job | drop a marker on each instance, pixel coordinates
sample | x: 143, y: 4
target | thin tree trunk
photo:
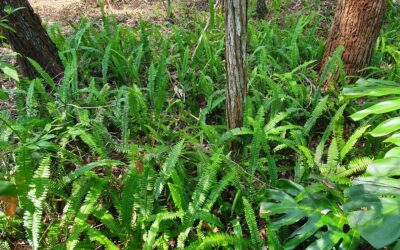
x: 356, y: 26
x: 235, y: 51
x: 30, y: 39
x: 261, y: 9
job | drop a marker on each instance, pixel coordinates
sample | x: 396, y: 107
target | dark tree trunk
x: 30, y: 39
x: 235, y: 51
x: 356, y: 26
x: 261, y: 10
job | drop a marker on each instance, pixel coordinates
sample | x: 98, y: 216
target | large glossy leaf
x: 380, y: 108
x: 385, y: 167
x: 372, y: 87
x: 374, y: 203
x: 11, y: 72
x: 395, y: 139
x: 386, y: 127
x: 394, y: 152
x: 376, y: 218
x: 319, y: 212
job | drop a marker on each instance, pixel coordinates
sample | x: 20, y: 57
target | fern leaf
x: 257, y: 140
x: 96, y: 235
x: 317, y: 112
x: 352, y: 141
x: 273, y: 240
x: 43, y: 73
x: 24, y: 173
x: 104, y: 63
x: 110, y: 223
x: 320, y: 148
x: 80, y: 222
x: 167, y: 168
x: 333, y: 156
x: 216, y: 241
x: 152, y: 233
x: 252, y: 224
x: 128, y: 198
x: 37, y: 195
x: 355, y: 166
x: 219, y: 188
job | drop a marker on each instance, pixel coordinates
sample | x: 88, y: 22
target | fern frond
x: 96, y: 235
x: 108, y: 220
x: 252, y: 224
x: 320, y: 148
x: 317, y: 112
x: 258, y: 137
x: 152, y: 233
x: 95, y: 145
x: 208, y: 217
x: 30, y: 100
x: 145, y: 197
x: 80, y: 222
x: 356, y: 166
x: 104, y: 63
x: 333, y: 156
x: 219, y: 188
x: 43, y: 73
x: 37, y: 195
x: 152, y: 74
x: 273, y: 240
x: 177, y: 195
x: 23, y: 174
x: 218, y: 240
x: 207, y: 180
x: 131, y: 186
x: 353, y: 140
x: 167, y: 168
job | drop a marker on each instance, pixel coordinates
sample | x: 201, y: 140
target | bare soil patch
x: 64, y: 11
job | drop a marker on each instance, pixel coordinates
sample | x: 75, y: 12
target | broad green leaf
x: 386, y: 127
x: 10, y: 72
x: 377, y: 219
x: 375, y: 185
x: 395, y: 139
x: 370, y: 91
x: 385, y: 167
x: 394, y: 152
x: 374, y: 203
x: 283, y: 209
x: 372, y: 87
x: 380, y: 108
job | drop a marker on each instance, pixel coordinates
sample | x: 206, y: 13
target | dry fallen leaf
x: 11, y: 205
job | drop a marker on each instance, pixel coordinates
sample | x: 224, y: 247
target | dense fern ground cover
x: 130, y: 150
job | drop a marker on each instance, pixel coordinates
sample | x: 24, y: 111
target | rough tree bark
x: 356, y: 26
x: 261, y: 9
x: 30, y: 39
x: 235, y: 52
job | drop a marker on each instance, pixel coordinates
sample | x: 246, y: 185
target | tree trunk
x: 235, y: 52
x: 356, y: 26
x: 261, y: 10
x: 30, y: 39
